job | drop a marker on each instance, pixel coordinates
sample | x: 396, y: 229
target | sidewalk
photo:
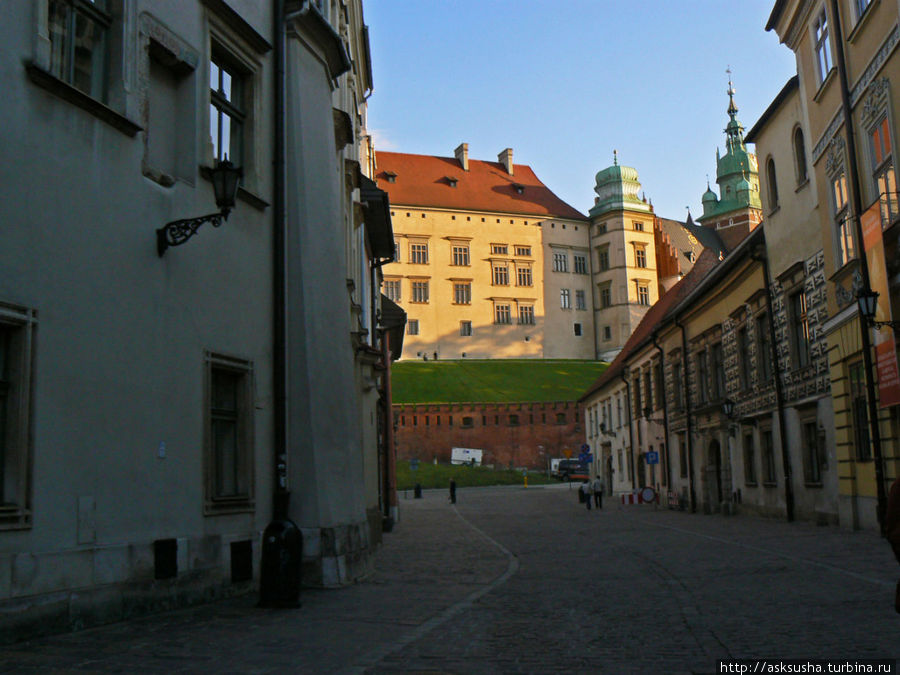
x: 429, y: 565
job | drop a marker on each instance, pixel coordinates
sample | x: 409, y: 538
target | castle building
x: 490, y: 263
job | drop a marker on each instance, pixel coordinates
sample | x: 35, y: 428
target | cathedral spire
x: 735, y: 130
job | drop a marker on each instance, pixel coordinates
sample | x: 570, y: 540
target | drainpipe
x: 624, y: 377
x: 856, y: 200
x: 279, y: 214
x: 662, y: 365
x: 687, y: 417
x: 779, y: 395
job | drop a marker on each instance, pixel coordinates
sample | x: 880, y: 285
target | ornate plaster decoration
x: 875, y: 103
x: 834, y: 161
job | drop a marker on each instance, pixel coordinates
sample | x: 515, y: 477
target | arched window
x: 773, y: 184
x: 800, y: 156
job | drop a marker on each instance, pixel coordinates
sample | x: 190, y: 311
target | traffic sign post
x: 652, y: 457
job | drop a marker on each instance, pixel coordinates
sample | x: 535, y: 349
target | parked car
x: 572, y: 469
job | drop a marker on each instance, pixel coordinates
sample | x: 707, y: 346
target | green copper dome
x: 737, y: 173
x: 617, y: 188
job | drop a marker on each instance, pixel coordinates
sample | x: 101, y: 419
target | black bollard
x: 282, y: 554
x: 417, y: 491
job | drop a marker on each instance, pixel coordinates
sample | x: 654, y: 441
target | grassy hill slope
x: 492, y: 381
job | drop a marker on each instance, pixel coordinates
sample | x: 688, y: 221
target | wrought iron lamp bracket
x: 179, y: 231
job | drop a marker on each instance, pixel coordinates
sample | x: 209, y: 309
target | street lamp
x: 225, y: 179
x: 728, y: 408
x: 867, y: 300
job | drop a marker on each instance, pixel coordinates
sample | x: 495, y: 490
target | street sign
x: 413, y: 464
x: 652, y: 457
x: 585, y: 447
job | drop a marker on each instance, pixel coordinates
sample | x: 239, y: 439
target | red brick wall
x: 426, y: 432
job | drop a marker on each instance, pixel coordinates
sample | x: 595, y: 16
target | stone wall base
x: 338, y: 556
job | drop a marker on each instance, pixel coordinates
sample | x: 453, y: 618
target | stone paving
x: 527, y: 581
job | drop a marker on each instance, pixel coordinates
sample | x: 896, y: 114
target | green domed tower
x: 624, y: 278
x: 737, y: 209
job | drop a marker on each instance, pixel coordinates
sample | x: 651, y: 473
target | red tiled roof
x: 423, y: 180
x: 654, y: 317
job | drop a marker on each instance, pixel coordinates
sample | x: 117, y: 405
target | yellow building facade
x: 848, y: 70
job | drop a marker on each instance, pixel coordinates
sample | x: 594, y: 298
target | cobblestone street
x: 528, y: 581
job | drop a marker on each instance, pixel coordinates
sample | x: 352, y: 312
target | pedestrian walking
x: 452, y: 491
x: 586, y: 490
x: 892, y: 529
x: 598, y: 492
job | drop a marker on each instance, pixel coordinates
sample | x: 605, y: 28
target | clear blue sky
x: 564, y: 82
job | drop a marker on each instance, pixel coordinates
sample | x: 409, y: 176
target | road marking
x: 377, y: 655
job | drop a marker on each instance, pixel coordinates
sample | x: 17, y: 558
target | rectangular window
x: 799, y: 330
x: 580, y: 302
x: 682, y: 455
x: 859, y: 411
x: 640, y: 256
x: 523, y: 275
x: 607, y: 333
x: 560, y: 262
x: 565, y: 298
x: 703, y: 376
x: 526, y: 314
x: 502, y: 313
x: 823, y: 49
x: 418, y: 253
x: 749, y: 460
x: 16, y: 365
x: 500, y: 274
x: 499, y: 249
x: 603, y: 258
x: 580, y: 264
x: 227, y: 109
x: 659, y: 385
x: 812, y: 453
x: 396, y: 248
x: 605, y: 296
x: 643, y: 293
x: 392, y: 289
x: 79, y: 38
x: 412, y: 327
x: 638, y: 226
x: 419, y: 292
x: 229, y: 443
x: 883, y: 172
x: 743, y: 346
x: 677, y: 386
x: 465, y: 328
x: 845, y: 244
x: 768, y: 456
x: 861, y: 6
x: 577, y: 328
x: 461, y: 255
x: 462, y: 293
x: 523, y: 250
x: 763, y: 350
x: 636, y: 392
x: 718, y: 372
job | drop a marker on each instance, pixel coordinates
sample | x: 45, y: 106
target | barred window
x: 560, y: 262
x: 502, y: 313
x: 501, y: 274
x: 580, y: 264
x: 419, y: 291
x: 526, y: 314
x: 460, y: 254
x: 462, y: 293
x: 392, y: 289
x: 418, y: 253
x: 523, y: 275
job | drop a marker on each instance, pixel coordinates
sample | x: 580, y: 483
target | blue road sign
x: 652, y: 457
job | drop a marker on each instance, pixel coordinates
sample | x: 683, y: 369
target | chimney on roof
x: 505, y: 158
x: 462, y: 155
